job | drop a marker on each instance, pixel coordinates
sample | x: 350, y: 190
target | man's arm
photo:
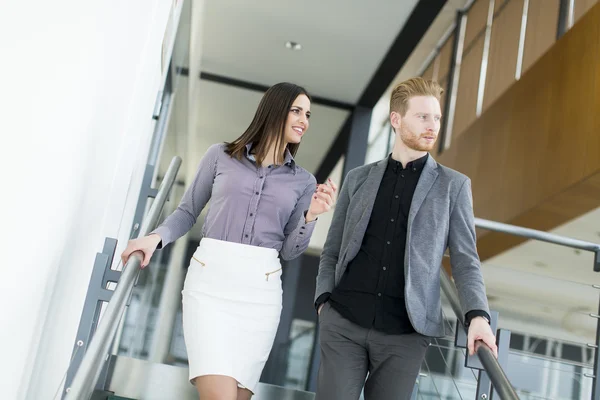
x: 462, y: 243
x: 331, y: 249
x: 466, y: 270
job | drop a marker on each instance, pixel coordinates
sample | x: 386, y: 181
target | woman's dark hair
x: 268, y: 125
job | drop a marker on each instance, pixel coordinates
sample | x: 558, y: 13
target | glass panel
x: 299, y: 349
x: 538, y: 367
x: 443, y: 374
x: 378, y: 147
x: 137, y: 327
x: 542, y: 378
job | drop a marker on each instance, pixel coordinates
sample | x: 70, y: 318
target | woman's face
x: 297, y: 123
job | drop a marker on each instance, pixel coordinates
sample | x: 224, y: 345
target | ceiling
x: 342, y: 42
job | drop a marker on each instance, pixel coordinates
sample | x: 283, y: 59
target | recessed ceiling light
x: 293, y: 45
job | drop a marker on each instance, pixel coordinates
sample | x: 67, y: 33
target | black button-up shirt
x: 371, y: 292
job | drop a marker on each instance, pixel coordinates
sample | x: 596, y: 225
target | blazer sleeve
x: 462, y: 243
x: 333, y: 244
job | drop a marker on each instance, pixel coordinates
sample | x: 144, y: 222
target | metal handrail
x: 91, y: 366
x: 497, y: 375
x: 536, y: 235
x: 491, y: 365
x: 562, y: 241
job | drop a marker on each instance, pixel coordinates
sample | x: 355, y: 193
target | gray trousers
x: 349, y: 352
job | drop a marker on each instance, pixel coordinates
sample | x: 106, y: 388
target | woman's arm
x: 298, y: 230
x: 193, y: 201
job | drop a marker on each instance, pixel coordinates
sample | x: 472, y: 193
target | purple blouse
x: 259, y: 206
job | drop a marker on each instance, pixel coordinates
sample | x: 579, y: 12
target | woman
x: 263, y: 206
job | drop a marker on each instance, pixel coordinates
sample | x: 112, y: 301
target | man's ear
x: 395, y: 119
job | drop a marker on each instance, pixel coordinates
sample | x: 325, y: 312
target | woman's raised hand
x: 323, y: 200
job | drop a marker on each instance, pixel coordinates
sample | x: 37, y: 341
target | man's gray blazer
x: 440, y: 217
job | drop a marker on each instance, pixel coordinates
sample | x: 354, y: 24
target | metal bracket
x: 146, y: 191
x: 96, y: 295
x: 157, y: 105
x: 484, y: 386
x: 461, y: 341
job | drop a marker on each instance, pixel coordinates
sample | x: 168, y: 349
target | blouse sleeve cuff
x: 165, y: 236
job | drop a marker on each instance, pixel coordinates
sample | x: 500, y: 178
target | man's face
x: 419, y: 128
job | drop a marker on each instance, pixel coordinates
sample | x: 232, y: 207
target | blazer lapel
x: 367, y: 194
x: 428, y: 177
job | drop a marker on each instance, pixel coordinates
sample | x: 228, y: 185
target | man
x: 378, y: 286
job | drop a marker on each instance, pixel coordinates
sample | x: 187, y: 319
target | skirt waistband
x: 222, y: 247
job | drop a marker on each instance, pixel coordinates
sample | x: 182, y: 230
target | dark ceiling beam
x: 263, y: 88
x: 407, y: 40
x: 340, y: 142
x: 225, y: 80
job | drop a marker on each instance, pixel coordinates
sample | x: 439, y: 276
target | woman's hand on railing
x: 480, y: 329
x: 147, y: 245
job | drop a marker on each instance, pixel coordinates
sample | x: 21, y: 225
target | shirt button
x: 379, y: 294
x: 384, y: 268
x: 297, y: 246
x: 246, y: 235
x: 257, y: 193
x: 251, y: 214
x: 402, y: 175
x: 396, y: 196
x: 392, y: 220
x: 261, y: 177
x: 389, y: 242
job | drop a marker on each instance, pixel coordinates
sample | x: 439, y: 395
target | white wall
x: 79, y: 80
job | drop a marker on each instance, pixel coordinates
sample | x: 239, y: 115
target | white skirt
x: 231, y: 310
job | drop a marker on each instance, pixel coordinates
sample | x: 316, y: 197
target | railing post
x: 565, y: 17
x: 90, y: 315
x: 146, y: 192
x: 453, y: 80
x: 596, y: 380
x: 484, y: 386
